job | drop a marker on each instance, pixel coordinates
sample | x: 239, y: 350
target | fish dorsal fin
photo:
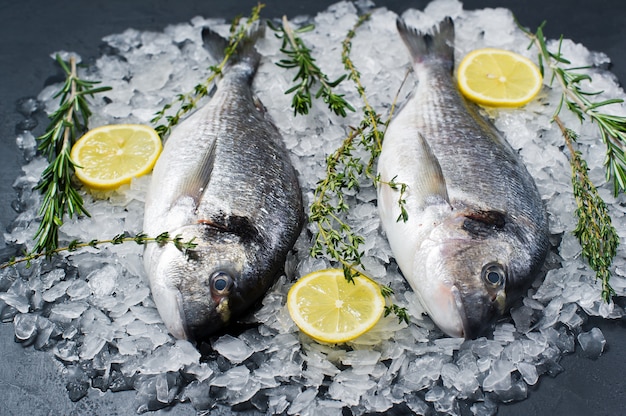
x: 430, y: 183
x: 196, y: 184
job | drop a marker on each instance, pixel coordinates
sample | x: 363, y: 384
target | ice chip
x: 19, y: 302
x: 103, y: 281
x: 302, y: 401
x: 234, y: 349
x: 528, y: 372
x: 499, y: 377
x: 25, y: 327
x: 592, y: 343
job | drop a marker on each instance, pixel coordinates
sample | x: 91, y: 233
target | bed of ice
x: 92, y: 309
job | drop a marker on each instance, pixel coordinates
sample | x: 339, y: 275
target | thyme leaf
x: 344, y: 173
x: 594, y: 230
x: 140, y: 238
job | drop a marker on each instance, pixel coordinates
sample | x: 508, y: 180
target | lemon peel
x: 328, y: 308
x: 498, y: 78
x: 109, y: 156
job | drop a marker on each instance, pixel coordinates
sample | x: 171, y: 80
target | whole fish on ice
x: 477, y: 231
x: 224, y: 179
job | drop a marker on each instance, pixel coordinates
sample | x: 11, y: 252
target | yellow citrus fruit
x: 110, y: 156
x: 498, y: 78
x: 328, y: 308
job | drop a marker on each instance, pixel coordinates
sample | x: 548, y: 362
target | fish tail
x: 423, y: 47
x: 245, y: 54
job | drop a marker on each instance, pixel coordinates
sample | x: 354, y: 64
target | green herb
x: 612, y: 128
x: 189, y: 101
x: 344, y: 171
x: 597, y: 236
x: 308, y: 74
x: 141, y: 239
x: 594, y: 231
x: 67, y: 122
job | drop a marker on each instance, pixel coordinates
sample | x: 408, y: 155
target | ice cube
x: 499, y: 377
x: 25, y: 327
x: 592, y: 343
x: 234, y: 349
x: 528, y: 372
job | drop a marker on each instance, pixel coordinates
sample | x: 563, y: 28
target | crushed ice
x: 93, y: 311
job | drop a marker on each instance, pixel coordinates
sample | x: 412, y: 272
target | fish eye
x: 221, y: 282
x: 493, y: 274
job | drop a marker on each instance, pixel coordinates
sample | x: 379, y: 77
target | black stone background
x: 32, y: 383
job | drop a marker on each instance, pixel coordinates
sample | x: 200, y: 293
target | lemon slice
x: 110, y: 156
x: 328, y: 308
x: 498, y: 78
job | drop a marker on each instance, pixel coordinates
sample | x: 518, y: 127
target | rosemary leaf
x: 70, y: 119
x: 308, y: 74
x: 594, y: 230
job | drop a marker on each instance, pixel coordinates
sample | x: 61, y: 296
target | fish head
x: 473, y: 278
x: 200, y: 291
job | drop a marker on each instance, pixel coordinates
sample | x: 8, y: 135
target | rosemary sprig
x: 67, y: 122
x: 596, y: 234
x: 612, y: 128
x: 334, y: 236
x: 141, y: 239
x: 188, y: 101
x: 308, y: 74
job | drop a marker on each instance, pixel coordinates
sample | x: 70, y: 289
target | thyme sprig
x: 60, y: 196
x: 596, y: 234
x: 188, y: 101
x: 141, y: 239
x: 344, y: 171
x: 612, y: 128
x: 594, y: 230
x: 308, y: 73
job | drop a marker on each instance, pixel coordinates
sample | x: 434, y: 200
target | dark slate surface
x: 32, y: 383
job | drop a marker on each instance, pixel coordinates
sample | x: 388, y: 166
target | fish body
x: 225, y: 180
x: 477, y: 231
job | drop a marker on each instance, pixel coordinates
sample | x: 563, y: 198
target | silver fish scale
x: 476, y: 232
x: 224, y: 179
x: 475, y: 160
x: 252, y: 175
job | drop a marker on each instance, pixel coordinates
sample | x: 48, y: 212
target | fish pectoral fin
x: 482, y: 223
x: 234, y: 224
x: 430, y: 183
x: 196, y: 184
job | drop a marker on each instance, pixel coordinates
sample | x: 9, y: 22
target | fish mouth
x: 475, y: 312
x: 459, y: 316
x: 202, y: 320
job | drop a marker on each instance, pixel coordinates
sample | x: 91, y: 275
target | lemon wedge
x: 498, y: 78
x: 328, y: 308
x: 110, y: 156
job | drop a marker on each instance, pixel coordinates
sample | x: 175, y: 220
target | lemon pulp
x: 499, y: 78
x: 325, y: 306
x: 110, y: 156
